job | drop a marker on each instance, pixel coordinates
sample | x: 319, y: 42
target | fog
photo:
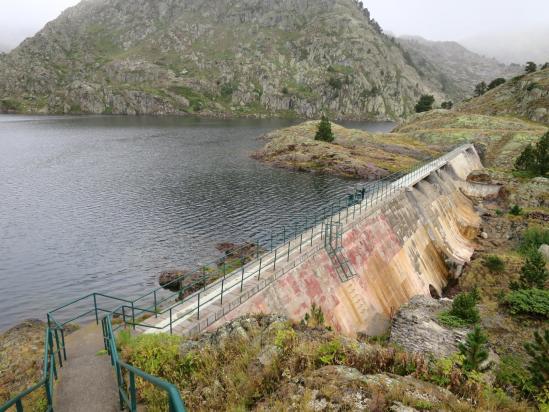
x: 482, y: 25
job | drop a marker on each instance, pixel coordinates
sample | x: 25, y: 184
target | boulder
x: 416, y: 328
x: 544, y: 250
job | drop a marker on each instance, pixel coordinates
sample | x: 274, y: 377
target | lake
x: 105, y: 203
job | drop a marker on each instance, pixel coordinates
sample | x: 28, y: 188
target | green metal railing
x: 270, y: 251
x: 52, y: 347
x: 126, y: 386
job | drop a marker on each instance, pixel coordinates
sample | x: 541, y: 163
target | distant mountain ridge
x: 451, y: 68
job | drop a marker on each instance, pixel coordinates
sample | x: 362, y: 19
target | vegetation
x: 480, y: 89
x: 532, y: 238
x: 539, y: 363
x: 447, y: 105
x: 495, y: 83
x: 531, y: 67
x: 324, y: 131
x: 425, y: 103
x: 474, y: 350
x: 535, y: 159
x: 463, y: 312
x: 533, y: 302
x: 494, y: 263
x: 533, y: 273
x: 515, y: 210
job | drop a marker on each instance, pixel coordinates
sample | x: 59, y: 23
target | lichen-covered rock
x: 544, y: 250
x: 416, y: 328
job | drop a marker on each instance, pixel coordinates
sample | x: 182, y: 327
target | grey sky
x: 432, y: 19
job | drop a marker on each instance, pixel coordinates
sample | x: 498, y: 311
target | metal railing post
x: 133, y: 395
x: 222, y: 285
x: 95, y: 307
x: 155, y: 306
x: 171, y: 327
x: 198, y: 307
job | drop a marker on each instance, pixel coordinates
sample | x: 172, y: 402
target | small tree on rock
x: 535, y: 159
x: 531, y: 67
x: 324, y: 131
x: 527, y: 159
x: 464, y: 307
x: 474, y: 350
x: 425, y: 103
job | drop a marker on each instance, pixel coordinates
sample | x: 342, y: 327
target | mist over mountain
x: 513, y: 46
x: 450, y: 67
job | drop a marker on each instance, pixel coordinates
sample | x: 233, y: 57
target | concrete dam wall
x: 409, y: 245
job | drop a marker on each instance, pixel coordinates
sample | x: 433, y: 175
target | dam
x: 359, y: 262
x: 358, y: 265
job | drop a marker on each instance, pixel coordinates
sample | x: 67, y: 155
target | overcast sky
x: 432, y: 19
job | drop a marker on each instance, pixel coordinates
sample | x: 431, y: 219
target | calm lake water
x: 106, y: 203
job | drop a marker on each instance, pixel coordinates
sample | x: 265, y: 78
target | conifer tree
x: 324, y: 131
x: 539, y: 364
x: 474, y: 350
x: 533, y: 273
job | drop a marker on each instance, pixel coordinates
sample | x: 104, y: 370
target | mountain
x: 525, y: 96
x: 220, y: 57
x: 451, y: 68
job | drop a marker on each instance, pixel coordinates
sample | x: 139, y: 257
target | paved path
x: 87, y: 382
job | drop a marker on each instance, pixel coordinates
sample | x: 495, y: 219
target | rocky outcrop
x: 524, y: 96
x: 417, y: 329
x: 353, y: 153
x: 294, y: 57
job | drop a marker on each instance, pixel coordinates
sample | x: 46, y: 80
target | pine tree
x: 526, y: 160
x: 533, y: 273
x: 464, y: 307
x: 496, y: 82
x: 474, y: 350
x: 480, y: 89
x: 541, y: 154
x: 324, y: 131
x: 539, y: 364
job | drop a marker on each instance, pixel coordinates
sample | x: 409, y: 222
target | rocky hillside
x: 238, y: 57
x: 452, y: 68
x: 524, y: 96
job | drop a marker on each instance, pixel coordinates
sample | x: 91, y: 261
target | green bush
x: 474, y: 350
x: 464, y: 307
x: 515, y: 210
x: 535, y: 159
x: 533, y: 273
x: 425, y: 103
x: 531, y: 67
x: 451, y: 321
x: 511, y: 372
x: 324, y: 131
x: 533, y: 302
x: 335, y: 83
x: 494, y: 264
x: 480, y: 89
x: 533, y: 238
x: 496, y: 82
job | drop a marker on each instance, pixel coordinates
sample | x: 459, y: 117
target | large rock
x: 544, y: 250
x: 416, y: 328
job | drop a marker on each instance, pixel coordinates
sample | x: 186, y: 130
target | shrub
x: 335, y: 83
x: 496, y: 82
x: 539, y: 364
x: 425, y: 103
x: 511, y: 372
x: 474, y: 350
x: 531, y: 67
x: 535, y: 159
x: 533, y: 238
x: 451, y: 321
x: 464, y: 307
x: 494, y: 264
x: 314, y: 318
x: 533, y: 302
x: 331, y: 353
x: 324, y: 131
x: 533, y: 273
x: 516, y: 210
x: 447, y: 105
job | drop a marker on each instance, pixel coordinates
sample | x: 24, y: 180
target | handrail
x: 49, y: 374
x: 127, y: 391
x: 364, y: 196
